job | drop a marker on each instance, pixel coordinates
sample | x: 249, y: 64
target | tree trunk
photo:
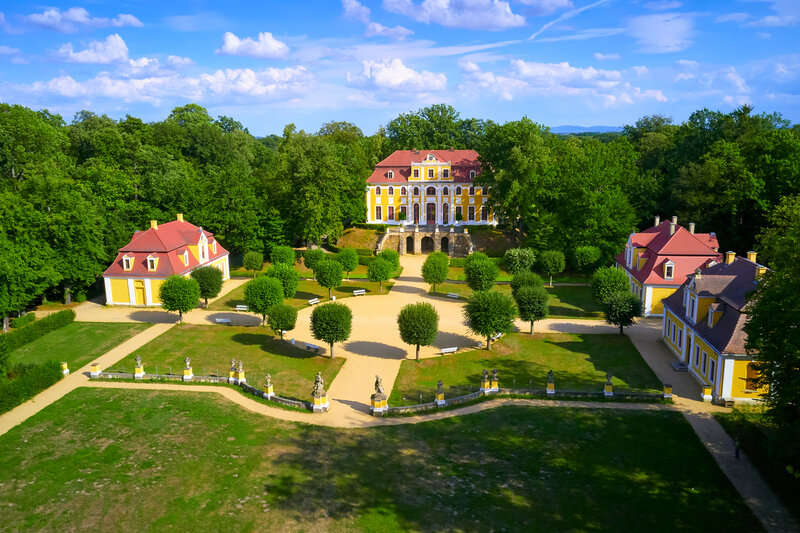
x: 206, y: 303
x: 620, y: 331
x: 333, y: 355
x: 180, y: 316
x: 417, y: 352
x: 489, y: 343
x: 5, y: 324
x: 67, y: 295
x: 531, y: 327
x: 329, y: 293
x: 551, y: 281
x: 380, y: 286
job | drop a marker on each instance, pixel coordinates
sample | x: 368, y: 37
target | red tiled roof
x: 167, y: 244
x: 687, y: 251
x: 461, y: 162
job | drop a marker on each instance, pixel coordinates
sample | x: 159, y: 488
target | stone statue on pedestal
x: 233, y: 365
x: 268, y: 381
x: 188, y: 362
x: 319, y: 386
x: 138, y: 360
x: 241, y: 366
x: 439, y: 387
x: 494, y: 374
x: 485, y: 375
x: 378, y: 385
x: 550, y: 377
x: 609, y: 375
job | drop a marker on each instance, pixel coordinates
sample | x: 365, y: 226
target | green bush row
x: 461, y: 261
x: 23, y: 320
x: 23, y: 382
x: 20, y: 337
x: 376, y: 227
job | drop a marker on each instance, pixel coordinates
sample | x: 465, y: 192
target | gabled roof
x: 461, y: 162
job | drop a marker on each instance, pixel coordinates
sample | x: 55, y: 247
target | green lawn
x: 137, y: 460
x: 579, y: 363
x: 306, y: 290
x: 212, y: 347
x: 77, y: 343
x: 565, y: 302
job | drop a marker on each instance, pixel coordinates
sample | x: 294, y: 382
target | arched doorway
x: 427, y: 245
x: 430, y: 213
x: 446, y: 245
x: 445, y: 214
x: 409, y: 245
x: 416, y: 213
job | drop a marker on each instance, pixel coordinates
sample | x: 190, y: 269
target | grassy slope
x: 136, y: 460
x: 77, y: 343
x: 579, y: 362
x: 212, y: 347
x: 358, y: 238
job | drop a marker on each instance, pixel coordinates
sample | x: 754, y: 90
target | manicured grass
x: 579, y: 363
x: 306, y: 290
x: 212, y: 347
x: 77, y: 343
x: 358, y: 238
x: 144, y: 460
x: 565, y: 302
x: 457, y: 273
x: 760, y: 440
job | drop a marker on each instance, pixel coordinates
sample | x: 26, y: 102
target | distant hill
x: 582, y: 129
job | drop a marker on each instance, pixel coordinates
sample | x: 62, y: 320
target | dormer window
x: 390, y: 174
x: 214, y: 247
x: 445, y: 173
x: 152, y: 263
x: 186, y: 257
x: 431, y: 173
x: 471, y: 174
x: 669, y: 270
x: 127, y: 263
x: 710, y: 318
x: 416, y: 172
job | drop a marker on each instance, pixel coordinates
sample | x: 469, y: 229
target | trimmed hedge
x: 376, y: 227
x: 23, y: 320
x: 363, y: 251
x: 461, y: 261
x: 24, y: 382
x: 20, y: 337
x: 365, y: 259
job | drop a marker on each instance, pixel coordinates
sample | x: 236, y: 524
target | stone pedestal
x: 378, y: 404
x: 494, y: 386
x: 319, y: 404
x: 138, y: 373
x: 94, y: 372
x: 608, y: 391
x: 667, y: 391
x: 440, y: 399
x: 551, y: 388
x: 269, y: 391
x: 706, y: 394
x: 64, y: 368
x: 232, y: 376
x: 188, y: 374
x: 486, y: 386
x: 240, y: 377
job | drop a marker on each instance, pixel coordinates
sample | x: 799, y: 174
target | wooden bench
x: 359, y: 292
x: 449, y: 350
x: 242, y: 308
x: 226, y: 321
x: 453, y: 295
x: 313, y: 301
x: 495, y: 337
x: 313, y: 347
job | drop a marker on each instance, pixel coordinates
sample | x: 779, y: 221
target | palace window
x: 458, y: 212
x: 705, y: 362
x: 390, y: 174
x: 378, y: 212
x: 673, y: 333
x: 186, y: 257
x: 127, y: 263
x: 471, y: 212
x: 484, y: 214
x: 484, y: 191
x: 391, y: 213
x: 471, y: 173
x: 430, y: 191
x: 680, y: 338
x: 431, y: 173
x: 458, y: 191
x: 445, y: 173
x: 690, y: 308
x: 377, y: 191
x: 151, y: 263
x: 402, y: 191
x: 669, y: 270
x: 416, y: 191
x: 214, y: 247
x: 391, y: 191
x: 472, y: 191
x: 445, y: 191
x: 416, y: 172
x: 696, y: 356
x: 712, y: 367
x: 403, y: 211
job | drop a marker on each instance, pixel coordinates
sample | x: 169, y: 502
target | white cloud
x: 468, y: 14
x: 739, y: 84
x: 267, y: 47
x: 7, y: 50
x: 479, y: 81
x: 773, y: 21
x: 640, y: 70
x: 662, y: 33
x: 546, y: 7
x: 205, y: 21
x: 179, y: 62
x: 398, y: 33
x: 580, y: 35
x: 606, y: 57
x: 566, y: 16
x: 71, y: 20
x: 732, y: 17
x: 662, y: 5
x: 684, y: 76
x: 394, y: 75
x: 355, y: 10
x: 562, y: 74
x: 112, y: 50
x: 688, y: 63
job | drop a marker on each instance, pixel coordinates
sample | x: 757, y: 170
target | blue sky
x: 582, y: 62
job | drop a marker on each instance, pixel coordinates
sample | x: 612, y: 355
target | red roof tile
x: 461, y: 162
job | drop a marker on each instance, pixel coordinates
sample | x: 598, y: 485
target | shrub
x: 551, y: 262
x: 518, y: 260
x: 262, y: 293
x: 328, y: 274
x: 481, y: 274
x: 23, y: 320
x: 392, y: 257
x: 462, y: 261
x: 19, y: 337
x: 365, y: 260
x: 282, y: 255
x: 287, y: 275
x: 253, y: 261
x: 418, y: 324
x: 311, y: 257
x: 532, y: 303
x: 435, y: 268
x: 489, y: 313
x: 364, y: 251
x: 348, y: 257
x: 586, y: 259
x: 331, y: 322
x: 26, y: 381
x: 210, y: 281
x: 282, y: 317
x: 607, y: 281
x: 526, y: 278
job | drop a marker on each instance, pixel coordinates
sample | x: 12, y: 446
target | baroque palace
x: 427, y: 187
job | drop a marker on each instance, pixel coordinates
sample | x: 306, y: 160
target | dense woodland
x: 73, y: 193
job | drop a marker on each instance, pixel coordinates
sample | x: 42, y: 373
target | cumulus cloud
x: 7, y: 50
x: 684, y: 76
x: 394, y: 75
x: 112, y: 50
x: 355, y: 10
x: 266, y: 47
x: 606, y: 57
x: 663, y: 32
x: 737, y: 82
x: 468, y: 14
x: 640, y: 70
x: 732, y: 17
x: 75, y: 18
x: 546, y: 7
x: 662, y: 5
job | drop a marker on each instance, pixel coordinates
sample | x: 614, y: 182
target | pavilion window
x: 390, y: 174
x: 378, y: 212
x: 445, y: 173
x: 471, y: 212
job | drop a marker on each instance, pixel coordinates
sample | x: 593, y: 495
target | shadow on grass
x: 155, y: 317
x: 272, y: 345
x: 302, y: 295
x: 237, y: 319
x: 375, y: 349
x: 445, y: 339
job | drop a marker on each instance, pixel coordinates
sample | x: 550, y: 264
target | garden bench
x: 453, y: 295
x: 359, y: 292
x: 313, y: 347
x: 226, y: 321
x: 242, y: 308
x: 313, y: 301
x: 449, y: 350
x: 495, y: 337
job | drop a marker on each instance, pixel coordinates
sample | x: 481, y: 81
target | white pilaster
x: 369, y: 205
x: 109, y: 296
x: 148, y: 295
x: 648, y: 299
x: 726, y: 371
x: 131, y: 293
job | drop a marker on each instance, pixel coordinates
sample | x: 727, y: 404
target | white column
x: 109, y: 296
x: 369, y: 205
x: 131, y: 293
x: 148, y: 295
x: 727, y: 372
x: 648, y: 299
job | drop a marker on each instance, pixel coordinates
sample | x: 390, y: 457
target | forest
x: 73, y: 193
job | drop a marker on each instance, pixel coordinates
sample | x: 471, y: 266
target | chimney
x: 751, y: 256
x: 675, y: 220
x: 657, y: 221
x: 154, y: 224
x: 452, y: 149
x: 760, y: 270
x: 729, y: 257
x: 672, y: 227
x: 180, y: 217
x: 691, y: 228
x: 698, y: 274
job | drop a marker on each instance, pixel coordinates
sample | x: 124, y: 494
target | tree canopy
x: 418, y: 324
x: 179, y: 294
x: 331, y: 323
x: 489, y: 313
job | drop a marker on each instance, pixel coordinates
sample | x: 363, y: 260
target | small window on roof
x: 186, y: 257
x: 151, y: 263
x: 214, y: 247
x: 390, y: 174
x: 127, y: 263
x: 710, y: 318
x: 669, y: 270
x: 471, y: 173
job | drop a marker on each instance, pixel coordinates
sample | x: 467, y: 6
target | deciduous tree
x: 262, y: 293
x: 418, y: 324
x: 282, y: 254
x: 585, y: 260
x: 282, y: 317
x: 532, y: 303
x: 607, y: 281
x: 331, y: 323
x: 253, y: 261
x: 435, y: 268
x: 379, y: 270
x: 489, y: 313
x: 481, y: 274
x: 329, y: 274
x: 348, y: 257
x: 551, y: 262
x: 210, y: 281
x: 179, y: 294
x: 622, y: 309
x: 288, y: 276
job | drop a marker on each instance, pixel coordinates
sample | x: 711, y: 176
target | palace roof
x: 461, y: 162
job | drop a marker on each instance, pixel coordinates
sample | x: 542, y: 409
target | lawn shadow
x: 376, y: 349
x: 155, y: 317
x: 237, y: 319
x: 272, y: 345
x: 446, y: 339
x: 407, y: 290
x: 302, y: 295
